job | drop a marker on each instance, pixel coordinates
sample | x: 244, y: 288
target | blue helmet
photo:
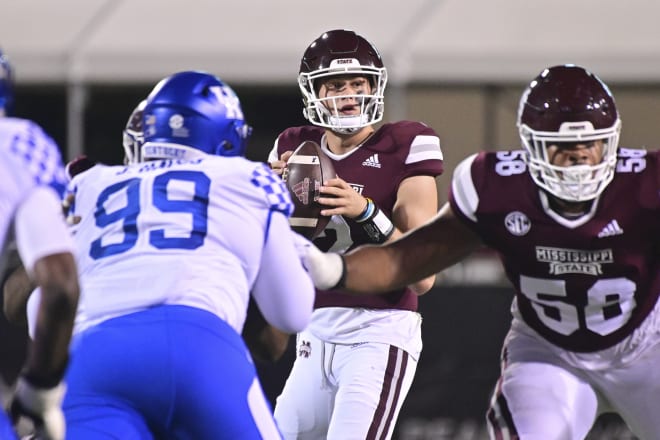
x: 190, y: 112
x: 6, y: 84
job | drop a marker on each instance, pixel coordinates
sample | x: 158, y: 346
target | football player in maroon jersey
x: 575, y: 220
x: 356, y: 360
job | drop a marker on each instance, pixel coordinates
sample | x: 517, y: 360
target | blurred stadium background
x: 459, y: 65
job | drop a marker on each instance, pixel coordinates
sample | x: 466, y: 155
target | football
x: 307, y: 169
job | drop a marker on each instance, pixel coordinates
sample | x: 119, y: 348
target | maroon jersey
x: 583, y: 284
x: 376, y: 169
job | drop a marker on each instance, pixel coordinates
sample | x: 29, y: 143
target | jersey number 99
x: 162, y: 200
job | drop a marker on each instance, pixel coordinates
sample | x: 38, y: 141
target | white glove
x: 42, y: 406
x: 325, y: 269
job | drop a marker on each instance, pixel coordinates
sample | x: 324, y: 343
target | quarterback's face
x: 344, y: 88
x: 566, y: 154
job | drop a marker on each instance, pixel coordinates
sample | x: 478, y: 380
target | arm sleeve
x: 273, y: 155
x: 463, y: 195
x: 40, y: 227
x: 283, y: 289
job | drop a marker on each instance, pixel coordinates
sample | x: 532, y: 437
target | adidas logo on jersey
x: 372, y: 161
x: 611, y: 229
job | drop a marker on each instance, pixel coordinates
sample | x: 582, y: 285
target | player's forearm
x: 16, y: 291
x: 417, y: 255
x: 282, y: 289
x: 271, y: 344
x: 372, y: 269
x: 378, y: 269
x: 419, y: 287
x: 47, y: 358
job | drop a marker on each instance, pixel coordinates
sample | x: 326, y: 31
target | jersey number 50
x: 191, y: 196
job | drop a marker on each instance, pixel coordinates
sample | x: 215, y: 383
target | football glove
x: 41, y: 405
x: 325, y: 269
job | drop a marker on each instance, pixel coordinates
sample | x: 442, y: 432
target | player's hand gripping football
x: 341, y: 199
x: 325, y: 269
x: 278, y: 166
x: 43, y: 406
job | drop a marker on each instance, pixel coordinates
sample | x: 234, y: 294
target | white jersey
x: 176, y: 232
x: 29, y: 161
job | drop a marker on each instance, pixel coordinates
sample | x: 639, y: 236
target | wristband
x: 368, y: 211
x: 375, y: 223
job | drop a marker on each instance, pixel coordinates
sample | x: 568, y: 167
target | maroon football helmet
x: 134, y: 135
x: 567, y: 103
x: 342, y: 52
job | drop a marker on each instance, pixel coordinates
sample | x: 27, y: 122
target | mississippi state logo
x: 305, y: 349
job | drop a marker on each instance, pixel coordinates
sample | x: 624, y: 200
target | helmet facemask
x: 575, y: 183
x: 567, y: 104
x: 132, y: 142
x: 134, y: 135
x: 325, y: 112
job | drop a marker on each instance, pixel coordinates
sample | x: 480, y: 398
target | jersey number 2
x: 162, y: 200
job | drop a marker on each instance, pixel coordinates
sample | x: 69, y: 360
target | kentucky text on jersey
x: 162, y: 164
x: 160, y: 150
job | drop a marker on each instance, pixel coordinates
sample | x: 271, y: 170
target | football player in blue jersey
x: 171, y: 247
x: 575, y: 220
x: 32, y: 182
